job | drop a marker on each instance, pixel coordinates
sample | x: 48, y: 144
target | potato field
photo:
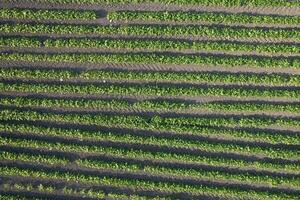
x: 150, y: 99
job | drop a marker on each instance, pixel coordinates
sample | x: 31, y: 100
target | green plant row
x: 211, y: 17
x: 154, y: 30
x: 199, y: 173
x: 179, y: 142
x: 184, y: 125
x: 226, y: 3
x: 16, y: 197
x: 156, y: 120
x: 159, y: 90
x: 145, y: 184
x: 47, y: 14
x: 19, y: 42
x: 166, y: 45
x: 150, y: 104
x: 153, y: 44
x: 193, y: 77
x: 147, y: 154
x: 159, y: 58
x: 269, y: 137
x: 50, y: 189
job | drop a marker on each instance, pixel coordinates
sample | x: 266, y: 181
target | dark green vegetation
x: 149, y: 111
x: 46, y: 14
x: 189, y: 17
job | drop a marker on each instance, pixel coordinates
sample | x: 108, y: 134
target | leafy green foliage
x: 156, y: 58
x: 165, y: 123
x: 172, y: 90
x: 150, y: 104
x: 46, y: 14
x: 145, y: 184
x: 212, y: 17
x: 136, y: 167
x: 189, y: 77
x: 152, y: 30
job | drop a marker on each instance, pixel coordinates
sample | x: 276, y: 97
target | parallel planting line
x: 139, y: 88
x: 47, y: 14
x: 239, y: 135
x: 139, y: 178
x: 149, y: 100
x: 239, y: 78
x: 135, y: 141
x: 110, y: 191
x: 159, y: 58
x: 193, y: 16
x: 136, y: 44
x: 156, y: 152
x: 277, y: 150
x: 153, y: 177
x: 153, y: 30
x: 282, y: 108
x: 99, y: 161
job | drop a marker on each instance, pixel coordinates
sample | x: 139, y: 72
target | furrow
x: 159, y: 82
x: 51, y: 50
x: 105, y: 21
x: 261, y: 35
x: 73, y: 156
x: 108, y: 188
x: 148, y: 67
x: 140, y: 88
x: 136, y: 98
x: 145, y: 176
x: 153, y: 7
x: 149, y: 147
x: 37, y: 194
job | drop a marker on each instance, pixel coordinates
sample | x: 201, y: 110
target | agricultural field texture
x: 150, y: 100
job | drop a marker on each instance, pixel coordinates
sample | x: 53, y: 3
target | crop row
x: 150, y: 104
x: 154, y: 30
x: 161, y: 140
x: 155, y: 121
x: 226, y: 3
x: 266, y: 136
x: 153, y: 169
x: 142, y: 153
x: 159, y: 58
x: 53, y: 189
x: 190, y: 16
x: 19, y: 42
x: 175, y: 141
x: 16, y: 197
x: 47, y: 189
x: 46, y: 14
x: 192, y: 77
x: 153, y: 44
x: 144, y: 184
x: 150, y: 89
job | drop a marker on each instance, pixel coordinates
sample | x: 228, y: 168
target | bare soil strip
x: 50, y: 50
x: 139, y: 98
x: 148, y: 67
x: 102, y: 21
x: 152, y: 7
